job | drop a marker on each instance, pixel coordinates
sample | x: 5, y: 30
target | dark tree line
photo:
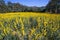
x: 53, y: 7
x: 16, y: 7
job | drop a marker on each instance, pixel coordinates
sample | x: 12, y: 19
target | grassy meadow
x: 29, y: 26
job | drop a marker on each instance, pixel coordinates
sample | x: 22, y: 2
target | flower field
x: 29, y: 26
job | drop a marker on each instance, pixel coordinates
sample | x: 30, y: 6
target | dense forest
x: 53, y: 7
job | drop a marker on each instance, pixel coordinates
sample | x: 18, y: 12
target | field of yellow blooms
x: 29, y: 26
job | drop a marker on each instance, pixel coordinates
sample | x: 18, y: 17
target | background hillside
x: 53, y: 7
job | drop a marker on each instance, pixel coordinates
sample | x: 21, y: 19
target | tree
x: 2, y: 6
x: 53, y: 6
x: 17, y: 7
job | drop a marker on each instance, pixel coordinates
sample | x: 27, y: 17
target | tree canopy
x: 53, y: 6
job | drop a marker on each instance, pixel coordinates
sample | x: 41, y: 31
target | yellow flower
x: 14, y: 33
x: 45, y: 24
